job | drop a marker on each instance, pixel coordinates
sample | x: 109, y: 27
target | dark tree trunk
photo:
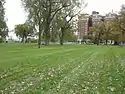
x: 111, y: 42
x: 106, y: 42
x: 22, y: 39
x: 46, y: 40
x: 39, y: 40
x: 61, y: 40
x: 48, y: 21
x: 47, y: 34
x: 62, y: 36
x: 26, y: 40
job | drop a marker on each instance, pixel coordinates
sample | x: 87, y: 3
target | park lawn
x: 68, y: 69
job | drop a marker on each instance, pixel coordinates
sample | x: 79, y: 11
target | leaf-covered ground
x: 69, y: 69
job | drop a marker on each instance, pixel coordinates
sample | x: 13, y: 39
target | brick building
x: 83, y: 20
x: 96, y: 18
x: 86, y: 21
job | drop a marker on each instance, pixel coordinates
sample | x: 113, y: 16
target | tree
x: 42, y: 12
x: 121, y: 22
x: 66, y: 15
x: 69, y: 36
x: 107, y: 31
x: 3, y: 25
x: 115, y: 32
x: 54, y: 30
x: 34, y: 8
x: 23, y: 31
x: 97, y: 32
x: 117, y: 28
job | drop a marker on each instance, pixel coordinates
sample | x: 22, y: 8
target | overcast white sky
x: 16, y: 15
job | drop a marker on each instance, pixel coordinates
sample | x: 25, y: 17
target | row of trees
x: 3, y: 25
x: 110, y: 30
x: 53, y: 19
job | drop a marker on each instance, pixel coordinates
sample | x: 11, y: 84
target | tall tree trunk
x: 26, y: 41
x: 62, y: 36
x: 47, y: 35
x: 111, y: 42
x: 22, y: 39
x: 46, y: 40
x: 106, y: 42
x: 39, y: 40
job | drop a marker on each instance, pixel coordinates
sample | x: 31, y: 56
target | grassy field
x: 69, y: 69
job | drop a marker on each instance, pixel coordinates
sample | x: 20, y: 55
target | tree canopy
x: 3, y: 25
x: 113, y: 30
x: 43, y: 13
x: 23, y: 31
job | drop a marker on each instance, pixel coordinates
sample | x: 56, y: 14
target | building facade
x: 83, y: 20
x: 109, y: 17
x: 86, y: 21
x: 96, y: 18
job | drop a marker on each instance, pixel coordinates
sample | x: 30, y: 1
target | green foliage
x: 97, y: 32
x: 122, y: 18
x: 44, y: 12
x: 3, y: 26
x: 121, y: 23
x: 69, y: 36
x: 24, y: 30
x: 65, y: 18
x: 110, y: 30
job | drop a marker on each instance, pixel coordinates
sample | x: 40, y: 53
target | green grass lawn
x: 68, y: 69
